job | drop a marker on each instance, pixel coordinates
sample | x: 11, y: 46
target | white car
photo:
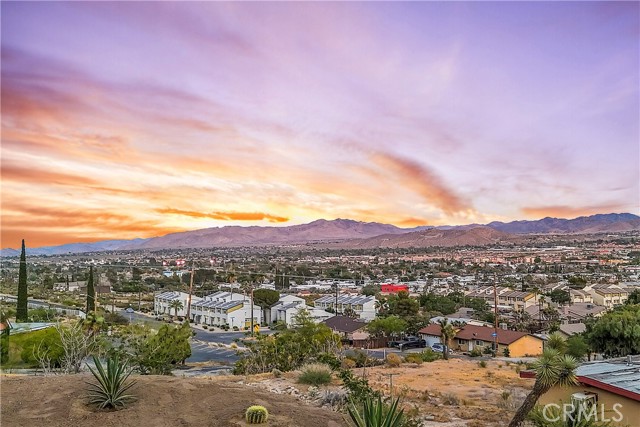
x: 437, y: 347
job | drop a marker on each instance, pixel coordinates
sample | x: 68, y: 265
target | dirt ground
x: 456, y: 392
x: 60, y: 401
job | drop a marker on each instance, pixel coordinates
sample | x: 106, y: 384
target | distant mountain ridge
x: 360, y: 234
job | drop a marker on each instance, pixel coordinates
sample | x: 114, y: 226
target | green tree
x: 386, y: 326
x: 617, y: 333
x: 560, y: 297
x: 265, y: 298
x: 403, y: 306
x: 176, y: 305
x: 577, y: 347
x: 91, y: 292
x: 552, y: 368
x: 370, y: 290
x: 21, y: 311
x: 447, y: 332
x: 634, y: 297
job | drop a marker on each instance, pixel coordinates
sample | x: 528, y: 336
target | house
x: 162, y: 302
x: 289, y: 306
x: 363, y: 306
x: 608, y: 295
x: 472, y: 337
x: 226, y: 309
x: 71, y: 286
x: 570, y: 329
x: 612, y: 385
x: 507, y: 298
x: 351, y: 331
x: 580, y: 296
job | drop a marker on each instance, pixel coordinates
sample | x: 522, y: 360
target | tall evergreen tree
x: 91, y: 293
x: 21, y: 311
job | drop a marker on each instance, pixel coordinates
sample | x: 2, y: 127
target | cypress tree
x: 21, y: 311
x: 91, y: 293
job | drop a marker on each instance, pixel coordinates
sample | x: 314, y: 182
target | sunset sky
x: 135, y: 119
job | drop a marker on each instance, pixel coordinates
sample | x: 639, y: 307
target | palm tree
x: 552, y: 368
x: 447, y: 332
x: 176, y: 304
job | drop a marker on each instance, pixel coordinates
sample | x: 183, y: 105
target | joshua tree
x: 552, y: 368
x: 21, y: 310
x: 447, y: 333
x: 176, y: 305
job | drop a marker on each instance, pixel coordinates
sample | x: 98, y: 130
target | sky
x: 137, y: 119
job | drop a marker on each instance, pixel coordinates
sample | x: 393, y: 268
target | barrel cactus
x: 256, y: 414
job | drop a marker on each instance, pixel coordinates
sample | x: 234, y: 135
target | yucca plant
x: 256, y: 414
x: 375, y: 413
x: 109, y: 391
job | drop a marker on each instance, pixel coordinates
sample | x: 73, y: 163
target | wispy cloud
x: 226, y: 216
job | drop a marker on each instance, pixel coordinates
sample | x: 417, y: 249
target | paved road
x: 202, y: 351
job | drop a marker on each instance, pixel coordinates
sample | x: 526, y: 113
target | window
x: 479, y: 342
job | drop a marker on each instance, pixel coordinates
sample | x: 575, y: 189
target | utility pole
x: 495, y: 315
x: 252, y: 309
x: 336, y: 307
x: 190, y: 292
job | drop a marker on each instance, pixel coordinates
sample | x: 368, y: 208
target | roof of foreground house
x: 344, y: 324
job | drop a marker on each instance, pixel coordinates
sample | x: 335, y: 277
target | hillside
x: 477, y: 236
x: 350, y: 230
x: 60, y: 401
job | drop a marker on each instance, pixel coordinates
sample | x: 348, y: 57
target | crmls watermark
x: 554, y: 412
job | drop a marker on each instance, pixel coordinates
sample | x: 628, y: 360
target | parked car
x: 396, y: 343
x: 417, y: 343
x: 437, y: 347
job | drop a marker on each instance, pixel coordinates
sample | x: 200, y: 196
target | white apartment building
x: 363, y: 306
x: 162, y: 302
x: 288, y: 307
x: 225, y: 308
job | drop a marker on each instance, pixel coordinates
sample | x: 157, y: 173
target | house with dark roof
x: 468, y: 338
x: 613, y: 385
x: 349, y: 329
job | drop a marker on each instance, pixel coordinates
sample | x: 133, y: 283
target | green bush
x: 256, y: 414
x: 45, y: 341
x: 429, y: 355
x: 475, y: 352
x: 482, y: 364
x: 315, y: 374
x: 376, y: 413
x: 506, y: 352
x: 111, y: 386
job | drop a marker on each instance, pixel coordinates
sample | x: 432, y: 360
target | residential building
x: 580, y: 296
x: 471, y: 337
x: 392, y: 288
x: 608, y: 295
x: 226, y: 309
x: 612, y: 385
x: 363, y: 306
x: 289, y: 306
x: 162, y: 302
x: 351, y: 331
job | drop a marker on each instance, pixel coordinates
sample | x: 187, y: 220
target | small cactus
x: 256, y: 414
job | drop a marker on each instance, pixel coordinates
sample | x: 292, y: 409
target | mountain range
x: 348, y: 233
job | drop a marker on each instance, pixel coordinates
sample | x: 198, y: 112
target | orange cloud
x: 11, y: 172
x: 226, y: 216
x: 563, y: 211
x: 421, y: 180
x: 412, y: 222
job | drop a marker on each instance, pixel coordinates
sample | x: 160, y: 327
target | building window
x: 479, y: 343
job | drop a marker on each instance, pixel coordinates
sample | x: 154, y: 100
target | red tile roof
x: 431, y: 329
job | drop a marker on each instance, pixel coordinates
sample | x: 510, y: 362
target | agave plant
x: 109, y: 391
x: 376, y: 413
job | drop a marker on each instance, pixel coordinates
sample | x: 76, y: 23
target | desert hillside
x: 60, y: 401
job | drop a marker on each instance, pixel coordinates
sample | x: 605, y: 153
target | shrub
x: 482, y: 364
x: 205, y: 327
x: 277, y: 373
x: 315, y: 374
x: 506, y: 352
x: 109, y: 391
x: 235, y: 328
x: 256, y: 414
x: 475, y: 352
x: 450, y: 399
x: 45, y: 341
x: 376, y: 413
x: 348, y: 363
x: 393, y: 360
x: 414, y: 358
x: 429, y: 355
